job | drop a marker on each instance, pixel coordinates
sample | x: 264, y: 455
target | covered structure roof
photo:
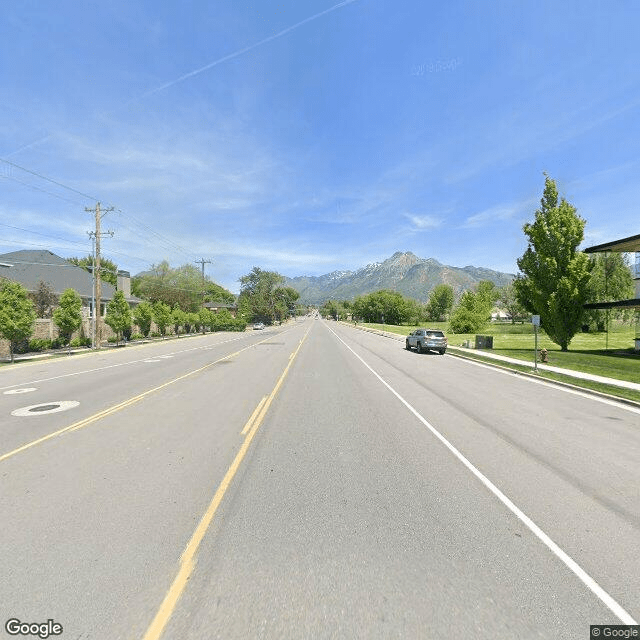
x: 625, y: 245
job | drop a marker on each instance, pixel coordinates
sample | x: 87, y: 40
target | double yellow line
x: 187, y: 560
x: 122, y: 405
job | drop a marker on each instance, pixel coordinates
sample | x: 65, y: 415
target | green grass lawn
x: 587, y: 351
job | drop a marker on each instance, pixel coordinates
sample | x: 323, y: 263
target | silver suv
x: 425, y: 339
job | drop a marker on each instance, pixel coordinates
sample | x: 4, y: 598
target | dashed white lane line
x: 112, y: 366
x: 16, y: 391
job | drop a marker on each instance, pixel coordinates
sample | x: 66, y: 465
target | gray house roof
x: 30, y: 267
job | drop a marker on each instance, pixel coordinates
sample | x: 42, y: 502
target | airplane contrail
x: 240, y: 52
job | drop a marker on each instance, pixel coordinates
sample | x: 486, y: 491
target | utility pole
x: 202, y: 262
x: 96, y: 270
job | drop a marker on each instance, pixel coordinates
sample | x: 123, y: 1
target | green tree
x: 285, y: 301
x: 162, y: 316
x: 554, y: 278
x: 384, y: 304
x: 108, y: 268
x: 178, y: 318
x: 508, y: 301
x: 118, y: 314
x: 258, y: 300
x: 68, y: 315
x: 470, y: 314
x: 610, y: 280
x: 182, y: 286
x: 143, y: 317
x: 45, y: 299
x: 487, y: 294
x: 205, y: 319
x: 329, y: 309
x: 440, y: 302
x: 215, y: 293
x: 17, y: 315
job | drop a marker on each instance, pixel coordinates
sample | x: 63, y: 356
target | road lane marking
x: 253, y: 416
x: 569, y: 562
x: 549, y: 384
x: 118, y: 407
x: 15, y: 391
x: 187, y: 559
x: 45, y: 408
x: 121, y: 364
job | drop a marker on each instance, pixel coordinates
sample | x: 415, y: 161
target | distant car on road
x: 258, y: 325
x: 427, y: 339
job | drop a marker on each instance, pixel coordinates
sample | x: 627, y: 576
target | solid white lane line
x: 550, y: 385
x: 582, y: 575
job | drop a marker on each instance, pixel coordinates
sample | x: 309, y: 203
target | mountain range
x: 411, y: 276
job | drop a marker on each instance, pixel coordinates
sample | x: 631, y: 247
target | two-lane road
x: 313, y: 481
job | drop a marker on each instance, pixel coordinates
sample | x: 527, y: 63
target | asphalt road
x: 311, y: 481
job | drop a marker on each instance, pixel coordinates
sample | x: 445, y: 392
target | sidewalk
x: 634, y: 386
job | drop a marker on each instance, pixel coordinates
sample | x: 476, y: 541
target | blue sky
x: 307, y: 137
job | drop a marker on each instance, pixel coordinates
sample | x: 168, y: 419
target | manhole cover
x: 45, y: 409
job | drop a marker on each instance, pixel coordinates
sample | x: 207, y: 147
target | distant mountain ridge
x: 403, y: 272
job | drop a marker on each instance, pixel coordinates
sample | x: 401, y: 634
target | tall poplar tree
x: 554, y: 277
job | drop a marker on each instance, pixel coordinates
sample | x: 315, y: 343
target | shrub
x: 137, y: 336
x: 21, y: 346
x: 80, y: 342
x: 58, y: 343
x: 39, y: 344
x: 112, y: 339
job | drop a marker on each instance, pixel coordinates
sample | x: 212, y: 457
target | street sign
x: 535, y: 321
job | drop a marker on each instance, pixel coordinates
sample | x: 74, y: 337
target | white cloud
x: 423, y: 222
x: 498, y: 213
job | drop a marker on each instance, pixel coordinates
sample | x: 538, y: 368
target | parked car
x: 258, y: 325
x: 426, y: 339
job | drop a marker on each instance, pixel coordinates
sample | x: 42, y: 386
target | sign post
x: 535, y: 321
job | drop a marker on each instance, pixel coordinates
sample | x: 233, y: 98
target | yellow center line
x: 187, y: 559
x: 118, y: 407
x: 253, y: 416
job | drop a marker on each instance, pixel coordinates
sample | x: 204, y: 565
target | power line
x: 51, y: 180
x: 37, y: 233
x: 33, y: 186
x: 118, y: 210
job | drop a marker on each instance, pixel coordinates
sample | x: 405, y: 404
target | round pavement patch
x: 26, y: 390
x: 45, y: 408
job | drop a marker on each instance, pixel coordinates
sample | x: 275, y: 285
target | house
x: 625, y: 245
x: 215, y: 307
x: 30, y: 267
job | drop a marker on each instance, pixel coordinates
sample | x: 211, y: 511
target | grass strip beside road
x: 586, y: 352
x: 589, y: 385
